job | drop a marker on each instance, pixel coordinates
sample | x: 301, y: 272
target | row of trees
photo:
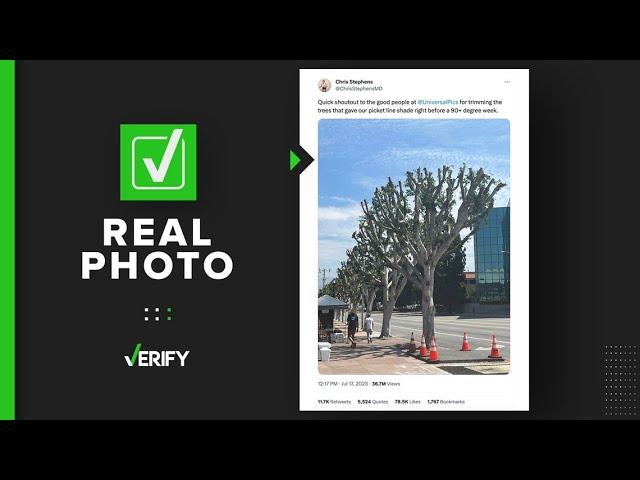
x: 405, y: 231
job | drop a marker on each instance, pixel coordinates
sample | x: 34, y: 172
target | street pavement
x: 450, y: 330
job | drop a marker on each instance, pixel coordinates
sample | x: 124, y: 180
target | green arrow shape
x: 293, y: 160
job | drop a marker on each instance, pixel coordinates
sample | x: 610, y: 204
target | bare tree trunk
x: 387, y: 311
x: 428, y: 309
x: 390, y: 297
x: 372, y: 297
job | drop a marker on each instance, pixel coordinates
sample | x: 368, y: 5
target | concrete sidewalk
x: 382, y: 357
x: 391, y: 357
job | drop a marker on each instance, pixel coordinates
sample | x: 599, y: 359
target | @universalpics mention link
x: 156, y: 358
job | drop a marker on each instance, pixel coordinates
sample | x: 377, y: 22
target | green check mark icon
x: 158, y: 174
x: 132, y: 361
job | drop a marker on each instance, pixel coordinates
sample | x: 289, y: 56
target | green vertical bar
x: 7, y: 240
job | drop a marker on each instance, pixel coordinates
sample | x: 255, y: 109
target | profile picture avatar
x: 324, y: 85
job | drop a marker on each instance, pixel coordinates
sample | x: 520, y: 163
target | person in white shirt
x: 368, y: 327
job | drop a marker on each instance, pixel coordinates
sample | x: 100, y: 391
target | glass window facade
x: 491, y: 244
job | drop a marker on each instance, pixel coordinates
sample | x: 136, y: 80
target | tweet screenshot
x: 414, y: 240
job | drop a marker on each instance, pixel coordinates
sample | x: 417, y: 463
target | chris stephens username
x: 354, y: 82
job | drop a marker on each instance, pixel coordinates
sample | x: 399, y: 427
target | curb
x: 449, y: 362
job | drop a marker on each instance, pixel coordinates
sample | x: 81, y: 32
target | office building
x: 491, y: 251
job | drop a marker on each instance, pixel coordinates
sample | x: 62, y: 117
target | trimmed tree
x: 425, y: 230
x: 386, y: 206
x: 331, y: 289
x: 368, y: 273
x: 348, y: 284
x: 336, y: 289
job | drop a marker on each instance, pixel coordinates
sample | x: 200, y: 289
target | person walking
x: 352, y: 327
x: 368, y: 327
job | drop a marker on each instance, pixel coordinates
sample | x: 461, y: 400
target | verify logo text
x: 156, y: 358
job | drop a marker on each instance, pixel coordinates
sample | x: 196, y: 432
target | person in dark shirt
x: 352, y: 327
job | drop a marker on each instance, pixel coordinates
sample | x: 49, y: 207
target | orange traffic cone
x: 465, y: 344
x: 495, y: 353
x: 433, y: 355
x: 412, y: 345
x: 423, y: 348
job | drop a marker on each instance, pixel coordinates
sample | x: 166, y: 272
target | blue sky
x: 356, y: 156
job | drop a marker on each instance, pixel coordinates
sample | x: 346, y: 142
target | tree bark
x: 428, y: 309
x: 389, y: 299
x: 369, y: 304
x: 372, y: 297
x: 387, y: 311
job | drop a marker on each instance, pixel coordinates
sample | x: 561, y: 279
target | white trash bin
x: 325, y: 353
x: 323, y: 345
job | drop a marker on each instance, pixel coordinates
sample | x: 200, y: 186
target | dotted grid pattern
x: 620, y: 380
x: 153, y: 313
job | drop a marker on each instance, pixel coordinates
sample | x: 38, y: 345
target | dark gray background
x: 72, y: 334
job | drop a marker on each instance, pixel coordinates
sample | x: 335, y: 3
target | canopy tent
x: 326, y: 302
x: 327, y: 307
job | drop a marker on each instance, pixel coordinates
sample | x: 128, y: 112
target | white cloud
x: 336, y: 224
x: 336, y: 198
x: 332, y: 251
x: 345, y: 213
